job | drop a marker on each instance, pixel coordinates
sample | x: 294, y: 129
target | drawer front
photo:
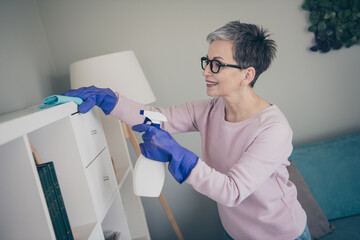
x: 102, y: 182
x: 89, y: 135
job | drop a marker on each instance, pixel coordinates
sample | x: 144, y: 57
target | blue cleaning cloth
x: 59, y: 99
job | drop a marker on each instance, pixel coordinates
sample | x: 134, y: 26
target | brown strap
x: 170, y: 216
x: 133, y: 140
x: 125, y: 130
x: 35, y: 154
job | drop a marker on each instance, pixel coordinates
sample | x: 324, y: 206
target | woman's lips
x: 211, y: 84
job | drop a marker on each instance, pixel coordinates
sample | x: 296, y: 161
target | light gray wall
x: 317, y: 92
x: 27, y: 72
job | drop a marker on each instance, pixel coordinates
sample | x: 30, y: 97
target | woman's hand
x: 104, y: 98
x: 160, y: 146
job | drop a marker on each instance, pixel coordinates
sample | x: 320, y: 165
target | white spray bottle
x: 149, y: 175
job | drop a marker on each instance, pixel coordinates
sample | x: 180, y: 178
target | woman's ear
x: 249, y: 75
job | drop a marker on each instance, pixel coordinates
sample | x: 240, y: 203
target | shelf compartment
x: 56, y: 142
x: 133, y: 209
x: 114, y: 220
x: 86, y: 232
x: 121, y: 175
x: 21, y: 198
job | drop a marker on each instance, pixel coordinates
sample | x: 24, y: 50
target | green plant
x: 335, y: 23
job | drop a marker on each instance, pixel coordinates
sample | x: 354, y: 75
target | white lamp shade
x: 121, y: 72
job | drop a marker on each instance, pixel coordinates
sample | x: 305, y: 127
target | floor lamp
x: 122, y: 73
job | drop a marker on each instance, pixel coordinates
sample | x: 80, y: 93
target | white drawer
x: 89, y: 135
x: 102, y: 182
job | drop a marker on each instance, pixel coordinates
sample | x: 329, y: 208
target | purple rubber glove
x: 101, y: 97
x: 159, y: 145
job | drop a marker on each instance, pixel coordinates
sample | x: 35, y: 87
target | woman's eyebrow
x: 214, y: 57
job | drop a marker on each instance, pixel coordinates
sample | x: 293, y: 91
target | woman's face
x: 227, y: 81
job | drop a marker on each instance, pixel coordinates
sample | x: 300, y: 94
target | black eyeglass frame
x: 218, y: 63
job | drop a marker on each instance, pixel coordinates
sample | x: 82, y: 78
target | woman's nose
x: 207, y: 71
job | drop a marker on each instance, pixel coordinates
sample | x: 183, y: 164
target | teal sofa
x: 326, y: 175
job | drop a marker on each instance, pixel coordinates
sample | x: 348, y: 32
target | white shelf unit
x: 96, y: 199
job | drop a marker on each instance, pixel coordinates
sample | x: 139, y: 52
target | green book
x: 60, y: 201
x: 50, y: 197
x: 54, y: 201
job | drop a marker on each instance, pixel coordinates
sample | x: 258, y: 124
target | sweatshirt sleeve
x: 181, y: 118
x: 262, y: 158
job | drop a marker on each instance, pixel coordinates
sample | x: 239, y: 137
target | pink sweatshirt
x: 243, y: 167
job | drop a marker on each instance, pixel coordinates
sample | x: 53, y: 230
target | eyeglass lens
x: 214, y: 64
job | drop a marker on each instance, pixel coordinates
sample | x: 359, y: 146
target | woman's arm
x: 181, y: 118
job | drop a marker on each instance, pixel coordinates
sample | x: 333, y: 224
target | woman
x: 246, y: 141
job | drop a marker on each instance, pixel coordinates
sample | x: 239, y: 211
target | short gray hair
x: 252, y: 47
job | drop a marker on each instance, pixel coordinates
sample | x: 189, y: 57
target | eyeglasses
x: 215, y: 65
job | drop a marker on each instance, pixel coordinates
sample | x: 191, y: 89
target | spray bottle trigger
x: 157, y: 125
x: 147, y: 120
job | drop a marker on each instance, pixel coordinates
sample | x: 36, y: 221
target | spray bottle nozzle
x: 155, y: 118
